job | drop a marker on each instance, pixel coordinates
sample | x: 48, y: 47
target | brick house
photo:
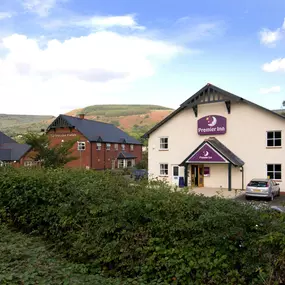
x: 99, y: 145
x: 14, y: 153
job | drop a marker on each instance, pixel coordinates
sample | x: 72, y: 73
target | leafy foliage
x: 145, y: 232
x: 50, y: 156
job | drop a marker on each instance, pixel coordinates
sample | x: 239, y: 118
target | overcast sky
x: 57, y: 55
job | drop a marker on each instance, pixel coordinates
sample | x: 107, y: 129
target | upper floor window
x: 274, y: 171
x: 274, y: 138
x: 164, y: 143
x: 123, y: 147
x: 81, y: 146
x: 98, y: 146
x: 108, y: 146
x: 116, y: 146
x: 163, y: 169
x: 131, y: 147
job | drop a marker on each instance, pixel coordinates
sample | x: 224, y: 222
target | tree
x: 50, y: 156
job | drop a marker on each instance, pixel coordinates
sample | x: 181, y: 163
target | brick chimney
x: 81, y: 116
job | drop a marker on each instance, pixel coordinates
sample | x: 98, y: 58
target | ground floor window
x: 274, y: 171
x: 163, y: 169
x: 124, y: 163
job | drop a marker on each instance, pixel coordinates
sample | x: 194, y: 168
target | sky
x: 59, y: 55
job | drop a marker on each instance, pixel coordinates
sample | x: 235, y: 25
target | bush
x: 145, y: 231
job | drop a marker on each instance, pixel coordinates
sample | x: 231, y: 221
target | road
x: 278, y: 201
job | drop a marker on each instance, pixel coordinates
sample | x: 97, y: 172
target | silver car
x: 263, y: 188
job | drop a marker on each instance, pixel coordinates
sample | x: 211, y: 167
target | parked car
x: 262, y: 188
x: 139, y: 174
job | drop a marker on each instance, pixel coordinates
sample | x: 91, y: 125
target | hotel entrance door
x: 197, y: 175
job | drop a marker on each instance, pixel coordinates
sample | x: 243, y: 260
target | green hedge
x: 145, y: 232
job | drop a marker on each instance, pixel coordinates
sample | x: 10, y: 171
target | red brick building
x: 99, y: 145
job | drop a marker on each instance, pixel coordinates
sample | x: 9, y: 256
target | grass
x: 29, y: 260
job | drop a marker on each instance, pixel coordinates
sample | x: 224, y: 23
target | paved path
x: 278, y: 201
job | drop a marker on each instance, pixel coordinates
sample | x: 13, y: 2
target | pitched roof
x: 203, y: 97
x: 94, y: 130
x: 5, y: 139
x: 13, y: 151
x: 126, y: 155
x: 221, y: 149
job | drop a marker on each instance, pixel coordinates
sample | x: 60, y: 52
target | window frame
x: 116, y: 146
x: 81, y: 146
x: 131, y: 147
x: 274, y: 139
x: 108, y: 146
x: 98, y: 146
x: 273, y: 171
x: 123, y: 147
x: 166, y: 144
x: 165, y: 170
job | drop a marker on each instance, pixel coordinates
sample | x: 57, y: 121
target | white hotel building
x: 217, y: 139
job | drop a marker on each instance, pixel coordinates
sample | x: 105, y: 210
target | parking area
x: 278, y: 201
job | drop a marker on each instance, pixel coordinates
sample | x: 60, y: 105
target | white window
x: 116, y: 146
x: 121, y: 163
x: 29, y: 163
x: 164, y: 169
x: 98, y: 146
x: 164, y: 143
x: 81, y: 146
x: 274, y: 138
x: 108, y: 146
x: 123, y: 147
x: 132, y: 147
x: 274, y: 171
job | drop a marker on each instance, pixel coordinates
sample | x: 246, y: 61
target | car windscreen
x: 257, y: 184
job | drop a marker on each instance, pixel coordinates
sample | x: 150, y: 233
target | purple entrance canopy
x: 206, y: 154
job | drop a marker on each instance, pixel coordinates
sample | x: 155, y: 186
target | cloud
x: 273, y: 89
x: 80, y: 70
x: 275, y: 65
x: 95, y: 22
x: 5, y: 15
x: 269, y: 37
x: 40, y: 7
x: 127, y: 21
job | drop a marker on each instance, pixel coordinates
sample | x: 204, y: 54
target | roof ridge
x: 73, y: 117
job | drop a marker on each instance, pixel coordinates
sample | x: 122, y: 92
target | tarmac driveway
x: 278, y: 201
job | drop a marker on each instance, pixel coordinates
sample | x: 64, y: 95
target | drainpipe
x: 230, y: 176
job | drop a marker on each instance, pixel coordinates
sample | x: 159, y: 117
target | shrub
x: 145, y: 231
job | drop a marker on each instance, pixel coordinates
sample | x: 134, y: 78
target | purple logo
x: 206, y: 154
x: 212, y: 125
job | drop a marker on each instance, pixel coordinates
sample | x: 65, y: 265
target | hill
x: 134, y: 119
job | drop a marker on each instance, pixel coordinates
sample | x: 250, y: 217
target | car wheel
x: 247, y: 197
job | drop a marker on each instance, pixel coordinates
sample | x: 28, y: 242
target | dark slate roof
x: 220, y: 148
x: 5, y: 139
x: 13, y: 151
x: 5, y: 154
x: 126, y: 155
x: 97, y: 131
x: 194, y: 100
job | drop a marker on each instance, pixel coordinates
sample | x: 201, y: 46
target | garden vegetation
x: 144, y: 233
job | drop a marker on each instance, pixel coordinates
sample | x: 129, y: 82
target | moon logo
x: 214, y: 122
x: 205, y: 153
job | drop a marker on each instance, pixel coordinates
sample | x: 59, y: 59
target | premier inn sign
x: 212, y: 125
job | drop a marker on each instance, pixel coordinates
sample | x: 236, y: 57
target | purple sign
x: 212, y: 125
x: 206, y: 154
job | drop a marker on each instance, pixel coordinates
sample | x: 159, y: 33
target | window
x: 121, y: 163
x: 132, y: 147
x: 98, y: 146
x: 116, y: 146
x: 81, y: 146
x: 274, y: 171
x: 108, y: 146
x: 29, y: 163
x: 274, y: 138
x: 163, y: 143
x: 175, y: 171
x: 163, y: 169
x: 123, y: 147
x: 129, y: 163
